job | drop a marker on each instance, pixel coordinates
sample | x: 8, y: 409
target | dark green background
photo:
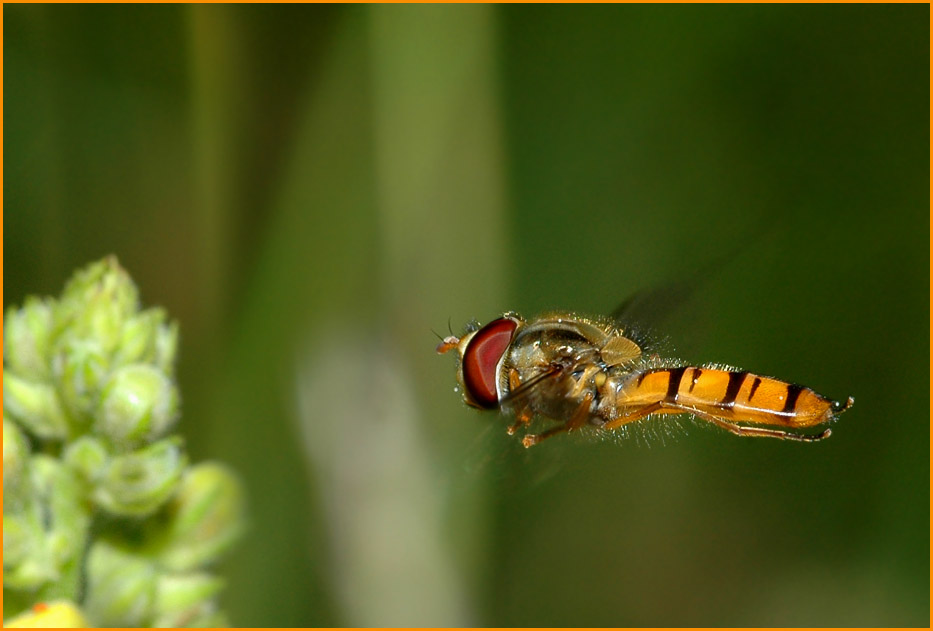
x: 285, y: 179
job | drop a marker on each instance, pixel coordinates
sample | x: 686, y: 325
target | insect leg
x: 521, y: 418
x: 654, y: 408
x: 580, y: 415
x: 665, y: 407
x: 523, y: 414
x: 764, y: 432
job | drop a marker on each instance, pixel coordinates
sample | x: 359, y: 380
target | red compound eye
x: 481, y: 358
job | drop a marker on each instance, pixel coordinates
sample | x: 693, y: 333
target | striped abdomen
x: 736, y: 396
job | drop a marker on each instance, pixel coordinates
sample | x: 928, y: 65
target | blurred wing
x: 648, y: 308
x: 673, y: 306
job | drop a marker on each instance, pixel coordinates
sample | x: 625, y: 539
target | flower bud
x: 15, y: 467
x: 60, y: 614
x: 183, y: 600
x: 79, y: 367
x: 17, y: 543
x: 121, y: 586
x: 88, y: 457
x: 27, y: 563
x: 139, y: 337
x: 44, y: 540
x: 35, y: 406
x: 97, y: 301
x: 138, y: 483
x: 205, y: 517
x: 106, y: 277
x: 138, y: 404
x: 64, y: 514
x: 26, y: 335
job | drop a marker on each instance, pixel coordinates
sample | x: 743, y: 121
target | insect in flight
x: 585, y: 371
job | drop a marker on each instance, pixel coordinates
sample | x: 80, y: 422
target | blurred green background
x: 311, y: 190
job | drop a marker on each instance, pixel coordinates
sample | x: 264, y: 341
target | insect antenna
x: 439, y: 336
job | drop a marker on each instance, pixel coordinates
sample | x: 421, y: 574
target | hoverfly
x: 582, y: 371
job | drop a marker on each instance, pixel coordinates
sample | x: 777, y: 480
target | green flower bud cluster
x: 102, y: 512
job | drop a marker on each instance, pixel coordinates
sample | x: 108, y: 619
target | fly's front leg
x: 522, y: 417
x: 523, y: 414
x: 579, y: 418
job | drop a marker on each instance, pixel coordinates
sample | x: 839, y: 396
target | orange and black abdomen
x: 736, y: 396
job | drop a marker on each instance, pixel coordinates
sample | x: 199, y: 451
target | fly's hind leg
x: 764, y: 432
x: 579, y: 418
x: 654, y: 408
x: 666, y: 407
